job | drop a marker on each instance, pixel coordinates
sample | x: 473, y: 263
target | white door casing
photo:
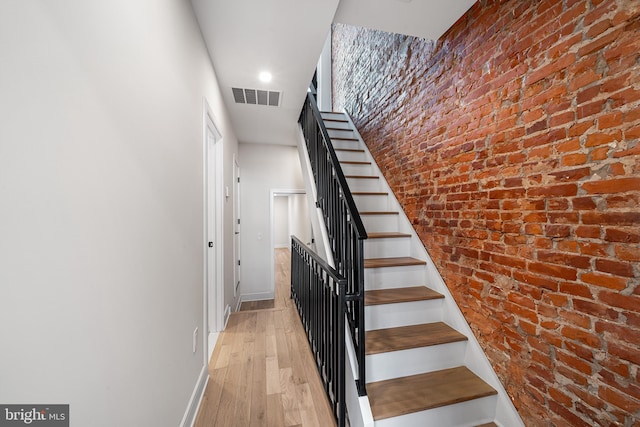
x: 213, y: 225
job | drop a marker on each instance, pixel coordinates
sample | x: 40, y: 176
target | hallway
x: 261, y: 372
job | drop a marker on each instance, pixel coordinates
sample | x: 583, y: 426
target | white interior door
x: 213, y: 231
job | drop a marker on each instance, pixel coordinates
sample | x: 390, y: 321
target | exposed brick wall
x: 513, y: 145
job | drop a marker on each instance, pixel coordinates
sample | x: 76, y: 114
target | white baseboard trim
x: 259, y: 296
x: 189, y: 417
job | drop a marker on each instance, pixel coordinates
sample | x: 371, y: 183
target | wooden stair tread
x: 398, y: 295
x: 362, y: 176
x: 369, y: 193
x: 392, y: 262
x: 414, y: 336
x: 401, y: 396
x: 380, y: 212
x: 387, y: 234
x: 353, y: 162
x: 350, y: 150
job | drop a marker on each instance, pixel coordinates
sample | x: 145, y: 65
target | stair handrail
x: 346, y: 231
x: 318, y: 292
x: 353, y: 210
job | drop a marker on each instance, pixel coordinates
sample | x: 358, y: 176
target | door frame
x: 213, y: 219
x: 276, y: 193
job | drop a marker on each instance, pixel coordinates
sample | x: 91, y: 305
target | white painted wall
x: 324, y: 77
x: 101, y: 206
x: 300, y: 223
x: 281, y: 222
x: 264, y: 168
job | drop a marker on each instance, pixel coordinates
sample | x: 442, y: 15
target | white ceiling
x: 286, y: 37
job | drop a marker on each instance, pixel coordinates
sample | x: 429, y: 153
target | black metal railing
x: 318, y: 291
x: 345, y: 229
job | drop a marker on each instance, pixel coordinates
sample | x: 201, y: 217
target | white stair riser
x: 346, y: 144
x: 379, y: 223
x: 402, y: 314
x: 464, y: 414
x: 364, y: 184
x: 356, y: 169
x: 403, y: 363
x: 348, y: 133
x: 394, y: 277
x: 371, y: 202
x: 335, y: 124
x: 387, y: 247
x: 333, y: 115
x: 351, y: 156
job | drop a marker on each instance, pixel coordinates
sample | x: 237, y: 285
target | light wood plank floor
x: 262, y: 372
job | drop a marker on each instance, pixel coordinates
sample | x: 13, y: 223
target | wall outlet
x: 195, y: 339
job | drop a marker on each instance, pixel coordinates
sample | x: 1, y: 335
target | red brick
x: 574, y: 159
x: 553, y: 270
x: 618, y: 399
x: 590, y: 232
x: 603, y: 280
x: 624, y: 352
x: 620, y: 185
x: 571, y: 174
x: 562, y: 217
x: 568, y: 246
x: 576, y: 289
x: 621, y: 332
x: 582, y: 336
x: 574, y: 362
x: 600, y: 153
x: 557, y: 230
x: 615, y: 365
x: 564, y: 259
x: 580, y: 129
x: 611, y: 218
x: 615, y: 267
x: 596, y: 139
x: 591, y: 109
x: 562, y: 190
x: 577, y: 319
x: 536, y: 280
x: 628, y: 253
x: 625, y: 236
x: 627, y: 302
x: 607, y: 121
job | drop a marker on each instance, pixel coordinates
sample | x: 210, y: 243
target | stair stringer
x: 475, y: 358
x: 358, y: 407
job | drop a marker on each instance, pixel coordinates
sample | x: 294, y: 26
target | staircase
x: 422, y: 369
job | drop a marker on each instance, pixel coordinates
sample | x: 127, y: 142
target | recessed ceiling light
x: 265, y: 76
